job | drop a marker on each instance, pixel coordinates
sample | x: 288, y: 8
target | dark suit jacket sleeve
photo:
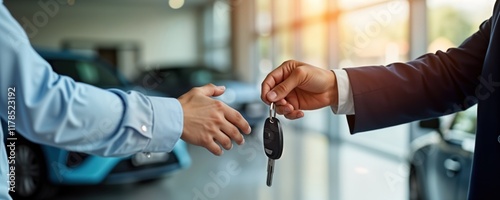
x: 429, y: 86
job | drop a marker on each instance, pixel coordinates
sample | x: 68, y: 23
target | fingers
x: 224, y: 141
x: 209, y: 122
x: 214, y: 148
x: 211, y: 90
x: 224, y: 137
x: 289, y: 111
x: 233, y: 122
x: 296, y: 114
x: 231, y: 131
x: 235, y: 118
x: 281, y: 90
x: 285, y: 109
x: 268, y: 83
x: 219, y: 90
x: 275, y: 77
x: 281, y: 102
x: 230, y: 123
x: 214, y: 142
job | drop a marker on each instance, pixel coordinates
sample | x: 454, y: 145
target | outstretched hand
x: 296, y: 86
x: 208, y: 121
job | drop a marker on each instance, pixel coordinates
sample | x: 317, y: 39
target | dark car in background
x: 440, y: 161
x: 41, y: 168
x: 177, y: 80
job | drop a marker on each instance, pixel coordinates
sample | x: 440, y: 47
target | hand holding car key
x: 273, y: 141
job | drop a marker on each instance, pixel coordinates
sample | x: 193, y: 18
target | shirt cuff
x: 168, y: 119
x: 346, y: 103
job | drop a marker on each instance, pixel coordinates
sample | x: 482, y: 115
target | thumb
x: 284, y: 88
x: 211, y: 90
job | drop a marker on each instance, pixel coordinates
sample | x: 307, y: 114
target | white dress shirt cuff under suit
x: 346, y: 102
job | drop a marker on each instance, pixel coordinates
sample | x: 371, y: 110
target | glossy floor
x: 311, y: 168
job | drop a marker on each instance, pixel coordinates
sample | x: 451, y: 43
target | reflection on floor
x: 311, y: 168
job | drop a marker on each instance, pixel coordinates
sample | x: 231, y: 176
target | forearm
x: 430, y: 86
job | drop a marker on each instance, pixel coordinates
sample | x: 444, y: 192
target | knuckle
x: 300, y: 71
x: 219, y: 104
x: 226, y: 142
x: 279, y: 110
x: 196, y: 89
x: 215, y: 149
x: 264, y: 84
x: 233, y: 132
x: 239, y: 118
x: 205, y: 141
x: 281, y: 87
x: 207, y: 127
x: 239, y: 140
x: 288, y: 62
x: 218, y: 120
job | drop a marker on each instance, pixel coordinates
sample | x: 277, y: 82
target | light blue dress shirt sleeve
x: 54, y: 110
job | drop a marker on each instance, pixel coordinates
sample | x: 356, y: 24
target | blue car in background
x: 40, y: 168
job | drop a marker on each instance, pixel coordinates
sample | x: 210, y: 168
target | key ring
x: 272, y: 108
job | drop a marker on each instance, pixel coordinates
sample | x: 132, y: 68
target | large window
x: 451, y: 21
x: 335, y: 34
x: 216, y: 46
x: 376, y: 34
x: 263, y: 33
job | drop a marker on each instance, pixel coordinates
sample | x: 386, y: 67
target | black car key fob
x: 273, y: 142
x: 273, y: 138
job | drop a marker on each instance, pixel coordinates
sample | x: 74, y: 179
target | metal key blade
x: 270, y: 171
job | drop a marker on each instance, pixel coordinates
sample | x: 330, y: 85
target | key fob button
x: 269, y: 151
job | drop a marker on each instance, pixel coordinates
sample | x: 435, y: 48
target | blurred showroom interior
x: 242, y: 41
